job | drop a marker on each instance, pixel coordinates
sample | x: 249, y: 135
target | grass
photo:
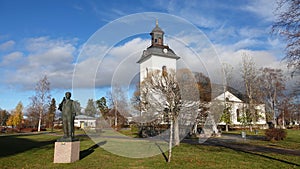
x: 292, y: 140
x: 36, y: 151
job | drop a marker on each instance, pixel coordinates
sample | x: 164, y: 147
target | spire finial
x: 156, y: 22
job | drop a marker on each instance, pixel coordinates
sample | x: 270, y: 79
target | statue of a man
x: 68, y: 115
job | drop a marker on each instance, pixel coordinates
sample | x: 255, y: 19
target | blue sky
x: 46, y: 37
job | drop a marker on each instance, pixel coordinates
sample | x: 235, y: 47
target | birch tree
x: 164, y: 93
x: 251, y: 85
x: 41, y: 99
x: 118, y: 103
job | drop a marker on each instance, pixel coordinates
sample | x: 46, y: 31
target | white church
x: 159, y: 56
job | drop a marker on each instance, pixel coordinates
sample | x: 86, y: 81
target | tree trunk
x: 171, y: 140
x: 40, y: 122
x: 274, y: 115
x: 195, y: 128
x: 176, y: 131
x: 52, y: 124
x: 227, y: 127
x: 283, y: 121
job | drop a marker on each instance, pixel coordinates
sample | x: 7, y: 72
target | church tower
x: 157, y: 56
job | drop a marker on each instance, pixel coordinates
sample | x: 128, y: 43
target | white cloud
x: 45, y: 56
x: 262, y: 8
x: 119, y: 62
x: 13, y: 59
x: 7, y: 45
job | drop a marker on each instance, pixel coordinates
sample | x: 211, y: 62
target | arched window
x: 159, y: 40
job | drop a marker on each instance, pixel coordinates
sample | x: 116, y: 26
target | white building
x: 157, y: 56
x: 238, y: 108
x: 160, y: 57
x: 84, y: 121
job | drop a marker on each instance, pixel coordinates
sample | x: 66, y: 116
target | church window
x: 238, y: 115
x: 159, y: 40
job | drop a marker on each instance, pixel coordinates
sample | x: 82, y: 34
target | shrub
x: 58, y: 127
x: 275, y: 134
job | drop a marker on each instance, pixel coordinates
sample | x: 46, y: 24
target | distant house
x: 83, y: 121
x: 238, y: 110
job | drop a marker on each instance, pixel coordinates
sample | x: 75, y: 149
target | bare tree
x: 287, y: 25
x: 41, y: 99
x: 227, y: 68
x: 251, y: 83
x: 273, y: 85
x: 166, y: 93
x: 118, y: 103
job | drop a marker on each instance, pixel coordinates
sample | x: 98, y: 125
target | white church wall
x: 156, y: 63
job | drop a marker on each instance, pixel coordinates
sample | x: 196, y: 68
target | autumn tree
x: 205, y: 93
x: 40, y: 101
x: 16, y: 117
x: 287, y: 25
x: 272, y: 84
x: 4, y: 115
x: 90, y: 108
x: 204, y: 86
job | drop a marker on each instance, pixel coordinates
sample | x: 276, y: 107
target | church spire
x: 157, y: 35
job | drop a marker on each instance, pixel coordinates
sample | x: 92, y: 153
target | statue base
x: 67, y: 139
x: 66, y: 152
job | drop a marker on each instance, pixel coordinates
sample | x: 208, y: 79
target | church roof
x: 157, y: 28
x: 163, y: 51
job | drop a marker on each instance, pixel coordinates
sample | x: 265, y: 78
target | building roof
x: 157, y: 28
x: 163, y: 51
x: 85, y: 117
x: 218, y: 89
x: 157, y: 47
x: 227, y: 95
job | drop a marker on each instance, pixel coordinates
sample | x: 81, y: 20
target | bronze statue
x: 68, y: 116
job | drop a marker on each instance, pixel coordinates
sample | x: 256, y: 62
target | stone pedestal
x: 66, y: 152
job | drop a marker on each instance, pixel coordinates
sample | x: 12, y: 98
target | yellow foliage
x: 16, y: 117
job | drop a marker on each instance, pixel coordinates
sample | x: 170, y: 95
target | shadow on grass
x: 87, y: 152
x: 11, y: 145
x: 254, y: 150
x: 162, y: 152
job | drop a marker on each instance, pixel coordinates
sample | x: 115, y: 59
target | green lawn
x: 292, y: 140
x: 36, y: 151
